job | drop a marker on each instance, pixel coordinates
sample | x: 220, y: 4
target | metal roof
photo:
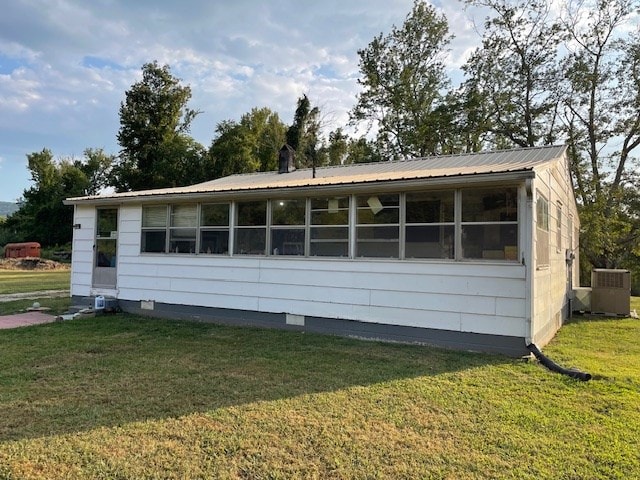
x: 441, y: 166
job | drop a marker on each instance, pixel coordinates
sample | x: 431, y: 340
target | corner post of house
x: 527, y: 230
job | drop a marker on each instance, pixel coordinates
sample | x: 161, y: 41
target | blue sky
x: 65, y: 65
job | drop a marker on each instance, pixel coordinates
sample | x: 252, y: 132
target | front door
x: 105, y: 248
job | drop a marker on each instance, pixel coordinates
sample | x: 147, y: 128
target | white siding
x: 551, y: 283
x: 82, y: 258
x: 470, y: 297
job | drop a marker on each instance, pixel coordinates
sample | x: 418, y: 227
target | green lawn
x: 23, y: 281
x: 123, y: 397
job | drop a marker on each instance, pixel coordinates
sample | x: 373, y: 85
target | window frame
x: 164, y: 229
x: 202, y: 228
x: 191, y: 238
x: 510, y: 255
x: 238, y: 228
x: 559, y: 213
x: 276, y: 228
x: 542, y: 231
x: 356, y: 215
x: 442, y: 225
x: 373, y: 203
x: 320, y: 227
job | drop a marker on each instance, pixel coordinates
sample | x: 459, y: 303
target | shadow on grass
x: 106, y: 371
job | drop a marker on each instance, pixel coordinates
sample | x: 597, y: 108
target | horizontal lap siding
x: 82, y: 247
x: 551, y: 289
x: 482, y: 298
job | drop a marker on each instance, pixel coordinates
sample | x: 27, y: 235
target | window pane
x: 154, y: 216
x: 333, y: 204
x: 214, y: 242
x: 330, y: 249
x: 329, y: 233
x: 330, y: 211
x: 429, y: 241
x: 153, y: 241
x: 182, y: 240
x: 378, y: 209
x: 542, y: 213
x: 377, y: 242
x: 107, y: 222
x: 330, y: 241
x: 184, y: 215
x: 288, y: 212
x: 105, y: 253
x: 250, y: 241
x: 430, y: 207
x: 214, y: 215
x: 493, y: 242
x: 490, y: 205
x: 287, y: 241
x: 320, y: 217
x: 251, y: 213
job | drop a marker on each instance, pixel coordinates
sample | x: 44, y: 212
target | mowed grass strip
x: 127, y: 397
x: 24, y: 281
x: 55, y: 305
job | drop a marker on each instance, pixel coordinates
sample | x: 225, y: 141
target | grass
x: 127, y: 397
x: 24, y: 281
x: 56, y: 306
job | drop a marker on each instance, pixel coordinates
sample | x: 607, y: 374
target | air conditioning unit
x: 611, y: 291
x: 581, y: 301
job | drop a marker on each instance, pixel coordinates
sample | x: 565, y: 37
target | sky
x: 65, y: 65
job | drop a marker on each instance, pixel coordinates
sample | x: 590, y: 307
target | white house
x: 471, y: 251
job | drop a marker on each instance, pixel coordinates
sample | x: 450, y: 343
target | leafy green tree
x: 249, y: 145
x: 304, y: 133
x: 403, y: 77
x: 340, y: 149
x: 42, y: 217
x: 513, y: 75
x: 602, y: 117
x: 96, y: 167
x: 337, y: 149
x: 154, y: 126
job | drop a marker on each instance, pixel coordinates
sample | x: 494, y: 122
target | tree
x: 154, y: 123
x: 541, y: 77
x: 247, y: 146
x: 304, y: 133
x: 42, y: 217
x: 511, y: 77
x: 96, y: 167
x: 403, y: 77
x: 602, y: 115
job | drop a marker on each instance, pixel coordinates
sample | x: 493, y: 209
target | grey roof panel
x: 501, y: 161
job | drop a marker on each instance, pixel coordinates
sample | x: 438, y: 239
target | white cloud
x: 79, y: 58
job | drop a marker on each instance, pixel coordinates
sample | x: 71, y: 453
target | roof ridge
x: 404, y: 160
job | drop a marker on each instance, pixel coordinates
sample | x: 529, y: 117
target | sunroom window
x: 430, y: 225
x: 154, y: 229
x: 378, y: 226
x: 214, y: 228
x: 329, y: 227
x: 251, y: 228
x: 489, y: 225
x: 288, y: 226
x: 182, y: 233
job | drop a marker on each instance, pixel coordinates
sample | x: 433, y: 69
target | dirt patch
x: 31, y: 263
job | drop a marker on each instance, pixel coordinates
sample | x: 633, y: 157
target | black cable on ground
x: 554, y: 367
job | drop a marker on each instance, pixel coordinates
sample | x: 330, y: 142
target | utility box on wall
x: 611, y: 291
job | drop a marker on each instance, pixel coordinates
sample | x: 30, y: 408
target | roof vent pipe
x: 286, y: 159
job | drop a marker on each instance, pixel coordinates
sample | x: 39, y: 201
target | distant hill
x: 7, y: 208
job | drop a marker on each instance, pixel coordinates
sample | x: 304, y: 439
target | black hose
x: 554, y: 367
